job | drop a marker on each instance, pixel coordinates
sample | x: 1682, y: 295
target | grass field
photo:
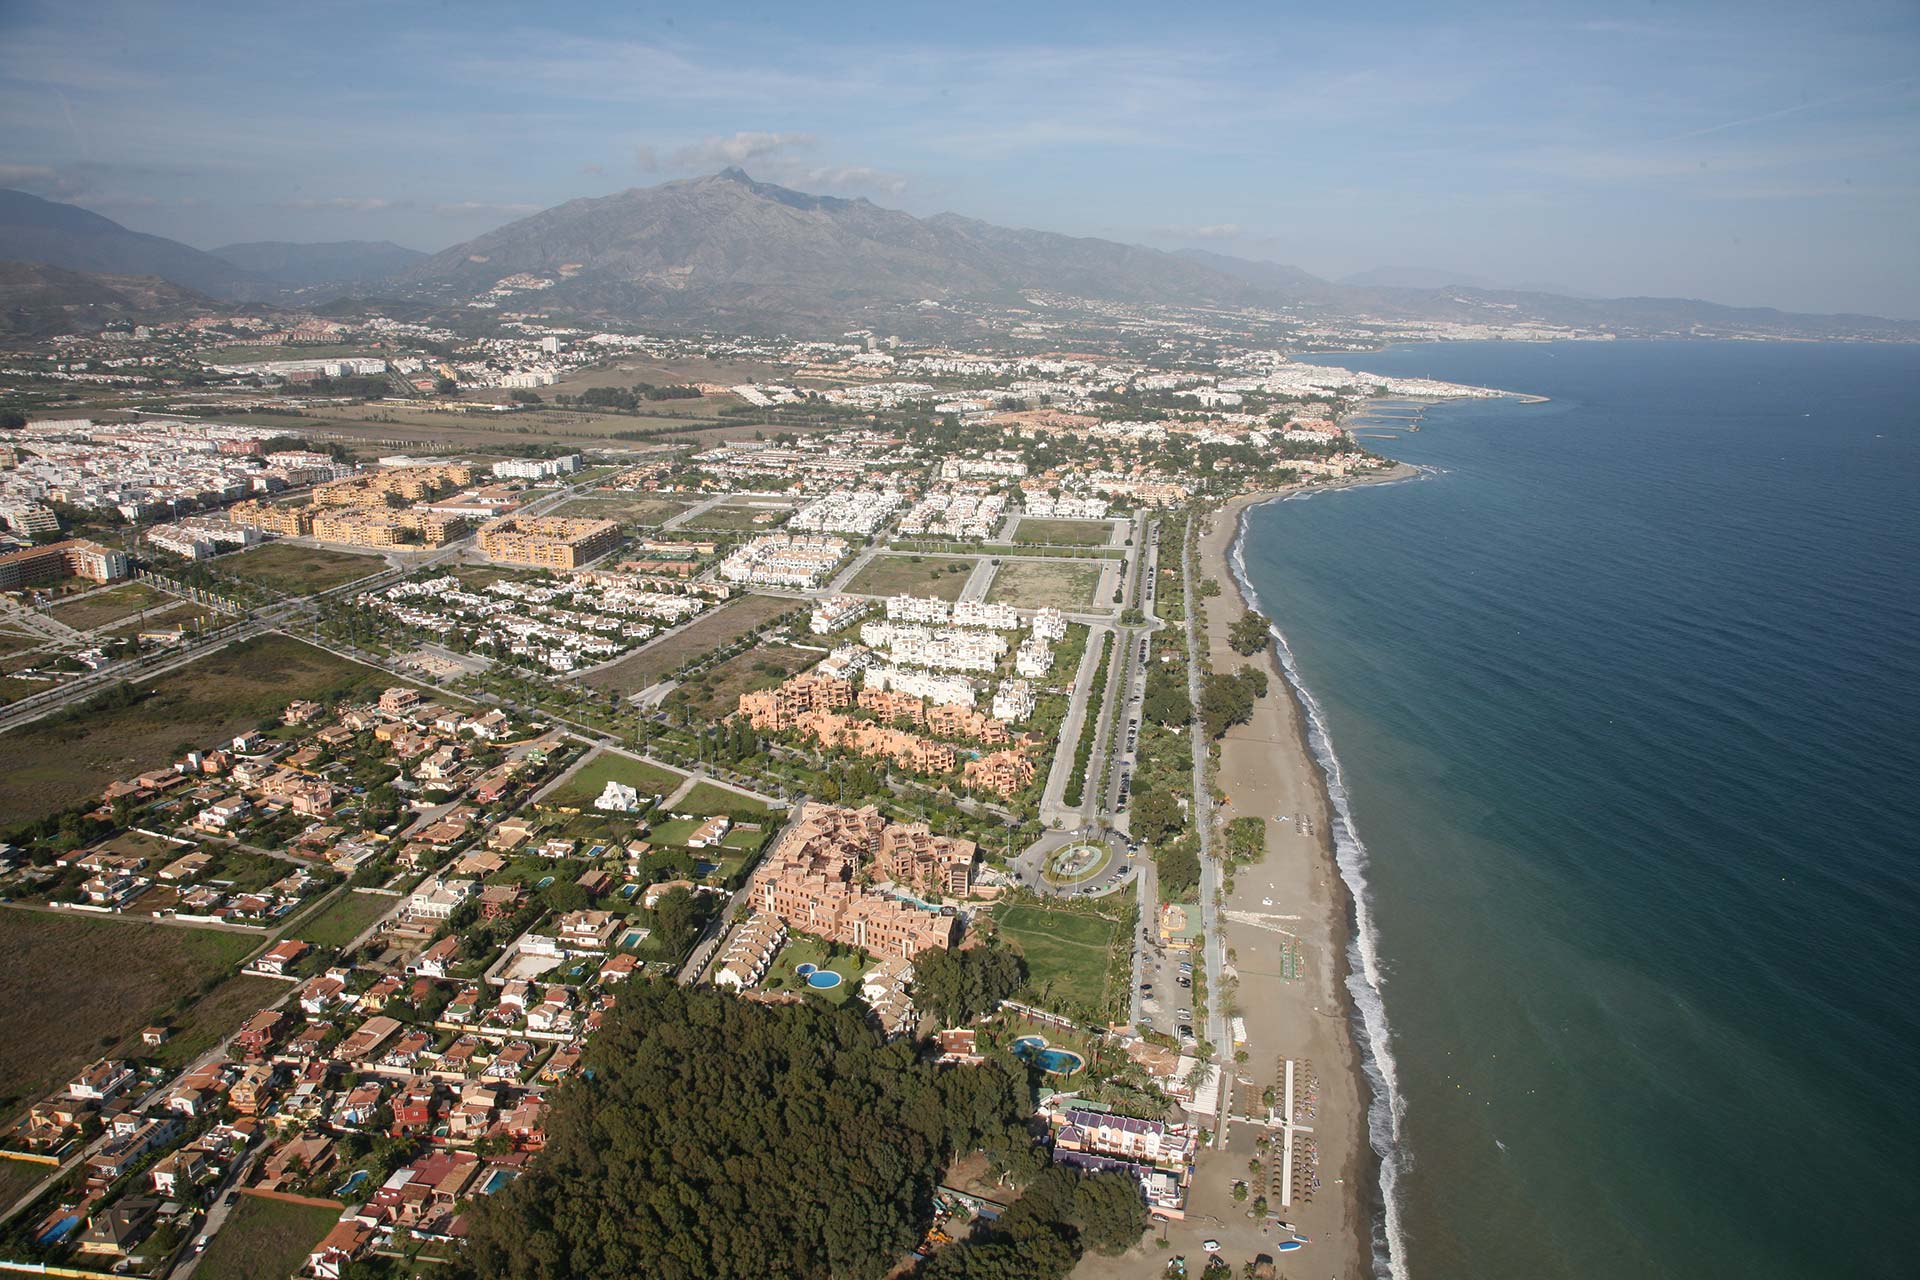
x: 265, y: 1238
x: 741, y: 517
x: 705, y: 798
x: 103, y: 607
x: 651, y: 664
x: 343, y: 919
x: 635, y: 508
x: 718, y: 692
x: 17, y: 1177
x: 298, y: 571
x: 803, y: 949
x: 72, y: 987
x: 1068, y: 953
x: 585, y: 786
x: 215, y: 1016
x: 942, y: 577
x: 1029, y: 584
x: 63, y: 759
x: 1062, y: 533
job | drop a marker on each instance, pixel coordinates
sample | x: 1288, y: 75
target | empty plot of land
x: 942, y: 577
x: 736, y: 517
x: 587, y: 782
x: 212, y: 1019
x: 705, y: 798
x: 103, y: 607
x: 265, y: 1237
x: 655, y: 662
x: 60, y: 1009
x: 640, y: 509
x: 296, y: 570
x: 72, y: 755
x: 1063, y: 533
x: 716, y: 691
x: 343, y: 919
x: 1030, y: 584
x: 1068, y: 954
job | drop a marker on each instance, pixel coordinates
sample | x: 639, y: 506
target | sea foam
x: 1364, y: 977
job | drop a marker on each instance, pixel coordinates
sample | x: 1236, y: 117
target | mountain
x: 37, y: 300
x: 727, y: 248
x: 305, y: 265
x: 65, y: 235
x: 727, y: 251
x: 1415, y: 278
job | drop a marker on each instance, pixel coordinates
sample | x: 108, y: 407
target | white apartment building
x: 907, y: 608
x: 1033, y: 660
x: 1049, y: 624
x: 1013, y: 701
x: 944, y: 690
x: 836, y: 612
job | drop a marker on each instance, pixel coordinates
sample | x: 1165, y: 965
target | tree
x: 963, y: 984
x: 445, y: 386
x: 1155, y: 815
x: 1178, y: 866
x: 1249, y: 635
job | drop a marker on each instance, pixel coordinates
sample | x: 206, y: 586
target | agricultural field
x: 1030, y: 584
x: 298, y: 571
x: 59, y: 1011
x: 1069, y: 953
x: 941, y: 577
x: 109, y: 606
x: 72, y: 755
x: 650, y: 665
x: 591, y: 778
x: 265, y: 1238
x: 343, y: 919
x: 1063, y: 533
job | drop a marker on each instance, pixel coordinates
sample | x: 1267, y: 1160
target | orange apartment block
x: 409, y: 484
x: 908, y: 750
x: 288, y: 522
x: 778, y: 708
x: 892, y: 707
x: 811, y: 880
x: 548, y: 542
x: 75, y: 558
x: 965, y: 722
x: 380, y: 527
x: 1001, y: 772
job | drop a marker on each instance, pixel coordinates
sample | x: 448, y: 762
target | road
x: 1210, y: 889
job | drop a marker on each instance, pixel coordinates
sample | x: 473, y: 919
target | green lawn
x: 265, y: 1240
x: 70, y: 757
x: 585, y: 786
x: 1068, y: 533
x: 343, y: 919
x: 298, y: 571
x: 1068, y: 953
x: 804, y: 949
x: 705, y: 798
x: 941, y: 577
x: 1030, y: 584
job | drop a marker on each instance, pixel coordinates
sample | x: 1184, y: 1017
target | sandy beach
x: 1286, y: 927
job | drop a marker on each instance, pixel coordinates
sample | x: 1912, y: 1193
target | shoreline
x: 1257, y: 759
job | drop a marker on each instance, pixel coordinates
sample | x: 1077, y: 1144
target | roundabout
x: 1077, y: 862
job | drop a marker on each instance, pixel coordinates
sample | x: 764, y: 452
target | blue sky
x: 1753, y: 153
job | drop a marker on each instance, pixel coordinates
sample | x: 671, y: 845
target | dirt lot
x: 52, y: 763
x: 942, y: 577
x: 59, y: 1011
x: 634, y: 508
x: 103, y: 607
x: 742, y: 517
x: 266, y: 1238
x: 647, y: 666
x: 1030, y: 584
x: 1063, y: 533
x: 761, y: 667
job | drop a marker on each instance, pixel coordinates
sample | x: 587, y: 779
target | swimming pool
x: 1055, y: 1062
x: 823, y: 979
x: 544, y: 882
x: 60, y: 1230
x: 352, y: 1184
x: 496, y: 1180
x: 633, y: 937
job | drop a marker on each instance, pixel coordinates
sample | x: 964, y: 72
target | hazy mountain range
x: 727, y: 251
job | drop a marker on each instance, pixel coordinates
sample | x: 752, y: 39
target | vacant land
x: 650, y: 665
x: 635, y: 508
x: 739, y: 517
x: 298, y: 571
x: 707, y: 799
x: 942, y: 577
x: 585, y: 786
x: 243, y: 354
x: 1030, y: 584
x: 17, y: 1177
x: 1063, y: 533
x: 265, y: 1238
x: 343, y: 919
x: 103, y: 607
x: 1067, y: 953
x: 215, y: 1017
x: 50, y: 764
x: 715, y: 692
x: 59, y: 1011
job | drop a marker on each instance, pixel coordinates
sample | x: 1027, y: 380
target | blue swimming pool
x: 352, y: 1184
x: 1055, y: 1062
x: 823, y: 979
x: 60, y: 1230
x: 496, y: 1180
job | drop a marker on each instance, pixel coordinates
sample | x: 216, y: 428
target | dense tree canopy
x: 1043, y: 1234
x: 1248, y: 634
x: 713, y: 1137
x: 960, y: 985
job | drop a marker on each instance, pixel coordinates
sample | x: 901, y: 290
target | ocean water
x: 1624, y: 703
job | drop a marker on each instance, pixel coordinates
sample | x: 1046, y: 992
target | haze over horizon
x: 1750, y: 158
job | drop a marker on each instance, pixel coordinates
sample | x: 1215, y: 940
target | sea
x: 1620, y: 706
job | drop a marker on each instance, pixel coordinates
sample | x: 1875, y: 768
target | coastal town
x: 375, y: 719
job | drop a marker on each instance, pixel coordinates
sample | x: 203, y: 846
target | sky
x: 1752, y: 153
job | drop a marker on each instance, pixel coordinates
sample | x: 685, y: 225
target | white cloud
x: 738, y: 148
x: 484, y: 208
x: 343, y: 204
x: 858, y: 177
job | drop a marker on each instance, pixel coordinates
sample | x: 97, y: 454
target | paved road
x: 1210, y: 889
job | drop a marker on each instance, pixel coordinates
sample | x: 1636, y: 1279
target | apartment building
x: 778, y: 708
x: 1004, y: 773
x: 288, y: 522
x: 810, y: 881
x: 74, y: 558
x: 380, y: 527
x: 547, y: 542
